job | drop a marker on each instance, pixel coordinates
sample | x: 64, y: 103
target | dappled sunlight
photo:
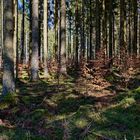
x: 86, y: 116
x: 69, y: 70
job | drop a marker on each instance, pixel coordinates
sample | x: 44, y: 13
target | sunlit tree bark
x: 45, y: 38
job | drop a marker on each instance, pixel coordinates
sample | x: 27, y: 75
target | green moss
x: 12, y: 97
x: 127, y: 102
x: 9, y: 99
x: 81, y: 123
x: 84, y: 121
x: 37, y: 114
x: 26, y: 99
x: 17, y: 134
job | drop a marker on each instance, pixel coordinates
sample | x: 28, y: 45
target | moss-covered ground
x: 70, y: 110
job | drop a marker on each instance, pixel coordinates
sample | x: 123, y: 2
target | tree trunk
x: 26, y: 49
x: 76, y: 33
x: 15, y: 42
x: 105, y: 27
x: 129, y: 24
x: 70, y: 34
x: 46, y: 38
x: 17, y: 51
x: 135, y: 12
x: 22, y: 34
x: 8, y: 56
x: 59, y: 40
x: 56, y: 30
x: 35, y: 39
x: 30, y: 30
x: 91, y: 28
x: 122, y: 24
x: 98, y: 28
x: 63, y: 38
x: 1, y: 33
x: 82, y: 31
x: 110, y: 31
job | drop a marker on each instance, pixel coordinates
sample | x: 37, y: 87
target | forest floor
x: 77, y: 109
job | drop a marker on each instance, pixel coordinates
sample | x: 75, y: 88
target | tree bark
x: 98, y: 28
x: 8, y: 57
x: 56, y: 30
x: 105, y: 27
x: 135, y: 12
x: 76, y: 33
x: 63, y: 38
x: 1, y: 33
x: 90, y: 35
x: 46, y: 38
x: 35, y: 39
x: 22, y: 34
x: 110, y: 31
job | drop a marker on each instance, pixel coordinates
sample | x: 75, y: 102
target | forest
x: 69, y: 69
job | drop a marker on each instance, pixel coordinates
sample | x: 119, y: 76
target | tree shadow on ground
x: 49, y: 111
